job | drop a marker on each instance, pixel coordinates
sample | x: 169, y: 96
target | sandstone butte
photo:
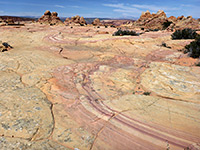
x: 64, y: 88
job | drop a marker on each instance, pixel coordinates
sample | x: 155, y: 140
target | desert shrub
x: 184, y: 34
x: 194, y: 48
x: 165, y: 45
x: 146, y: 93
x: 198, y: 64
x: 155, y: 30
x: 166, y: 24
x: 112, y: 26
x: 125, y: 32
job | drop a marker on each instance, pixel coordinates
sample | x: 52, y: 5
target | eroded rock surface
x: 73, y: 88
x: 161, y: 22
x: 50, y: 18
x: 76, y: 20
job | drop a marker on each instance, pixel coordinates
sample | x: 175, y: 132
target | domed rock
x: 47, y: 13
x: 180, y: 17
x: 75, y: 20
x: 161, y: 13
x: 82, y: 20
x: 50, y: 18
x: 54, y: 14
x: 172, y: 18
x: 146, y: 15
x: 96, y: 22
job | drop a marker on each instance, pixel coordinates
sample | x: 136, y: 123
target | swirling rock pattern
x: 72, y: 88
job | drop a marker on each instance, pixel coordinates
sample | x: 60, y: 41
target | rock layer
x: 72, y: 88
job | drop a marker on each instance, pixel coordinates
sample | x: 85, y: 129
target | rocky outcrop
x: 50, y: 18
x: 76, y: 20
x: 151, y: 21
x: 172, y: 18
x: 96, y: 22
x: 161, y: 22
x: 183, y: 22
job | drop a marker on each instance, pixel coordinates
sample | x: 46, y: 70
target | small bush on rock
x: 184, y: 34
x: 194, y: 48
x: 125, y: 32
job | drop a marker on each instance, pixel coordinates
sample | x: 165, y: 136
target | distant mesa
x: 50, y: 18
x: 75, y: 20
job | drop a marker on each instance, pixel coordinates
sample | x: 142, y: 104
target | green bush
x: 194, y: 48
x: 112, y: 26
x: 147, y: 93
x: 198, y: 64
x: 125, y: 32
x: 184, y: 34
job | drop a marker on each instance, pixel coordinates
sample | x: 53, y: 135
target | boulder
x: 50, y: 18
x: 47, y: 13
x: 96, y: 22
x: 75, y: 20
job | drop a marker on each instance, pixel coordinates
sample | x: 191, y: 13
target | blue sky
x: 99, y: 8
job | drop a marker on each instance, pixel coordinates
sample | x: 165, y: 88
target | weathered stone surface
x: 76, y: 20
x: 151, y: 21
x: 96, y: 22
x: 156, y: 21
x: 14, y: 143
x: 50, y: 18
x: 73, y: 88
x: 172, y: 81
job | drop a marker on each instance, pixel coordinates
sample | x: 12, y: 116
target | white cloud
x: 60, y: 6
x: 153, y: 7
x: 136, y: 9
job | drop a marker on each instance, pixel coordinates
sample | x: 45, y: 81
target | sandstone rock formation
x: 158, y: 20
x: 50, y: 18
x: 183, y: 22
x: 67, y: 88
x: 76, y: 20
x: 151, y: 21
x: 96, y: 22
x: 172, y: 18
